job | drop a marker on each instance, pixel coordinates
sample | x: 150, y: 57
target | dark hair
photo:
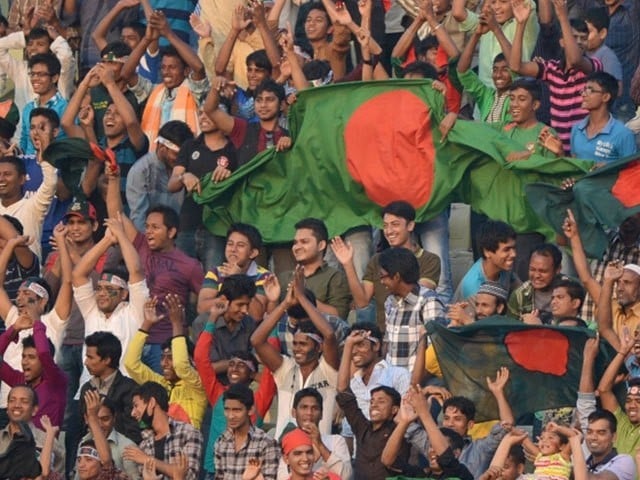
x: 424, y: 69
x: 531, y: 85
x: 167, y: 344
x: 176, y: 131
x: 316, y: 69
x: 456, y: 442
x: 149, y: 390
x: 29, y: 342
x: 372, y: 328
x: 598, y: 17
x: 241, y: 393
x: 548, y: 250
x: 390, y: 392
x: 49, y: 60
x: 109, y: 405
x: 492, y: 233
x: 170, y: 51
x: 107, y: 346
x: 170, y: 217
x: 34, y: 395
x: 427, y: 43
x: 118, y: 47
x: 306, y: 326
x: 4, y: 21
x: 123, y: 273
x: 38, y: 33
x: 17, y: 162
x: 249, y: 231
x: 307, y: 392
x: 317, y: 227
x: 574, y: 288
x: 516, y: 454
x: 260, y: 59
x: 463, y: 404
x: 500, y: 58
x: 318, y: 6
x: 138, y: 27
x: 48, y: 113
x: 270, y: 85
x: 401, y: 209
x: 579, y: 25
x: 247, y: 356
x: 401, y: 261
x: 15, y: 223
x: 238, y: 285
x: 44, y: 284
x: 601, y: 414
x: 296, y: 311
x: 607, y: 83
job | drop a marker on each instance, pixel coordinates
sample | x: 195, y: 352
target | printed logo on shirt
x: 195, y: 155
x: 604, y: 149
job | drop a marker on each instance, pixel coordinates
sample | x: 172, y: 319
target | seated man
x: 534, y: 295
x: 327, y: 283
x: 315, y: 355
x: 334, y: 453
x: 491, y: 299
x: 259, y: 454
x: 398, y: 223
x: 150, y: 406
x: 497, y: 242
x: 187, y: 401
x: 408, y: 308
x: 242, y: 247
x: 242, y: 368
x: 102, y: 359
x: 298, y: 453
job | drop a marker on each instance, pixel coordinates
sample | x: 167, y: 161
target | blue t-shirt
x: 613, y: 142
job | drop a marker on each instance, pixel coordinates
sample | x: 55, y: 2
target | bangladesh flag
x: 544, y: 363
x: 600, y: 201
x: 358, y: 146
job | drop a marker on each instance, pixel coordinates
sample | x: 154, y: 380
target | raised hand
x: 150, y: 312
x: 570, y: 226
x: 253, y: 469
x: 175, y: 308
x: 272, y: 288
x: 203, y: 29
x: 521, y: 10
x: 240, y: 19
x: 342, y: 250
x: 92, y: 401
x: 158, y: 21
x: 219, y: 307
x: 614, y: 270
x: 497, y: 385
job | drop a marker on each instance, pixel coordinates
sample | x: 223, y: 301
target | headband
x: 633, y: 390
x: 113, y: 280
x: 36, y: 288
x: 88, y: 451
x: 248, y: 363
x: 314, y: 336
x: 294, y: 439
x: 112, y: 57
x: 167, y: 143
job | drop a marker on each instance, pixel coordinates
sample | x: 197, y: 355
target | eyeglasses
x: 589, y: 91
x: 39, y: 74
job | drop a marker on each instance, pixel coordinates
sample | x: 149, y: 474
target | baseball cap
x: 82, y: 208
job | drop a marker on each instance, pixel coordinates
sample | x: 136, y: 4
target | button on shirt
x: 230, y: 463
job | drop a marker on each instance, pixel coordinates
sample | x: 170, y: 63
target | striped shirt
x: 565, y: 96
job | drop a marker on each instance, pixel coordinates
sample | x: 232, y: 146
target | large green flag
x: 600, y: 202
x: 544, y: 363
x: 358, y: 146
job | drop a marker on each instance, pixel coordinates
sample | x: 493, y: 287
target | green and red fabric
x: 600, y: 202
x: 358, y: 146
x: 544, y: 363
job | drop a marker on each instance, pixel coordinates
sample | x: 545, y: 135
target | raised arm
x: 23, y: 253
x: 64, y: 300
x: 497, y: 389
x: 572, y: 52
x: 239, y: 22
x: 269, y: 41
x: 404, y: 418
x: 129, y: 69
x: 270, y: 355
x: 92, y: 403
x: 604, y: 316
x: 570, y: 230
x: 5, y: 256
x: 406, y: 40
x: 605, y: 387
x: 445, y: 41
x: 521, y: 12
x: 223, y: 120
x: 82, y: 270
x: 129, y: 252
x: 114, y: 201
x: 99, y: 35
x: 158, y: 21
x: 466, y: 57
x: 297, y: 75
x: 361, y: 292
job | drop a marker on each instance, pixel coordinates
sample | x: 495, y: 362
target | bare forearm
x: 225, y: 52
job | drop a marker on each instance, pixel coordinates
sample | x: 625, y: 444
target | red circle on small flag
x: 389, y: 148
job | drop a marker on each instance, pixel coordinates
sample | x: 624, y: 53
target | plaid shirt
x: 615, y: 251
x: 182, y: 438
x: 405, y: 320
x: 230, y: 464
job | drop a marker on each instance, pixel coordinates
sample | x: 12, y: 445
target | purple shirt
x: 168, y: 272
x: 52, y: 389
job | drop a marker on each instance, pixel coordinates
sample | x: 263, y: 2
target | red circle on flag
x: 389, y: 148
x: 539, y: 350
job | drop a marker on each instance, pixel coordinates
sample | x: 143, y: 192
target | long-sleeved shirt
x: 31, y: 211
x: 187, y: 401
x: 52, y: 387
x: 263, y: 395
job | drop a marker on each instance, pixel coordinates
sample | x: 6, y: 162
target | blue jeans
x: 203, y: 245
x: 434, y: 237
x: 151, y: 354
x: 71, y: 364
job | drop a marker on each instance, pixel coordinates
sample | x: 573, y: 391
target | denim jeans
x: 203, y: 245
x: 71, y: 363
x: 434, y: 237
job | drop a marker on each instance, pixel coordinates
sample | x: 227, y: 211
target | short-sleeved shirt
x: 429, y: 270
x: 288, y: 378
x: 198, y: 159
x: 628, y: 435
x: 228, y: 341
x: 231, y: 462
x: 168, y: 272
x: 621, y: 465
x: 475, y: 277
x: 213, y: 279
x: 609, y: 60
x: 613, y: 142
